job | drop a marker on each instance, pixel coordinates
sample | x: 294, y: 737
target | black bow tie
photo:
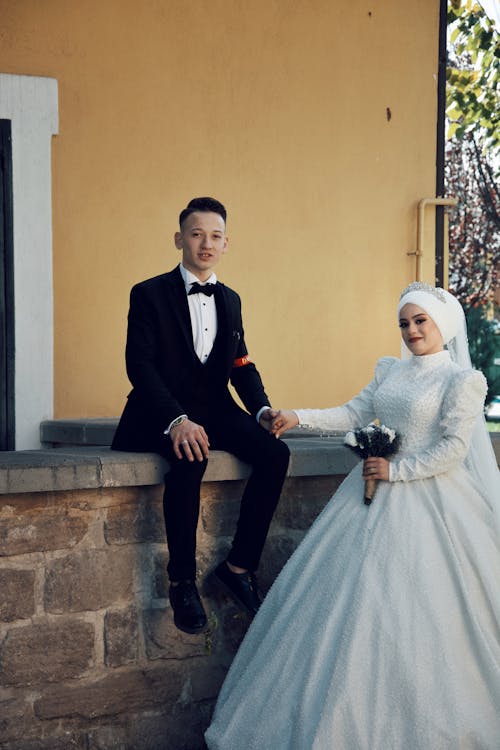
x: 207, y: 289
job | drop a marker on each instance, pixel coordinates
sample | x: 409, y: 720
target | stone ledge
x: 92, y: 431
x: 58, y: 469
x: 81, y: 459
x: 97, y: 431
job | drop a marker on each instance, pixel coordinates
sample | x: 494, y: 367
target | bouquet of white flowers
x: 373, y: 440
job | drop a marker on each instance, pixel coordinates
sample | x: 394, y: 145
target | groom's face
x: 202, y: 239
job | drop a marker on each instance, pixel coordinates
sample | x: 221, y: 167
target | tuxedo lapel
x: 224, y: 310
x: 227, y: 326
x: 177, y: 298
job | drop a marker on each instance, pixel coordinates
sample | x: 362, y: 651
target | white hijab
x: 444, y: 309
x: 447, y: 313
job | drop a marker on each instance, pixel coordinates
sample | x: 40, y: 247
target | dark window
x: 7, y: 440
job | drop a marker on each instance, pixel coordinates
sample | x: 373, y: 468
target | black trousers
x: 235, y: 431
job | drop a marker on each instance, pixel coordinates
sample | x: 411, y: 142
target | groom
x: 185, y: 342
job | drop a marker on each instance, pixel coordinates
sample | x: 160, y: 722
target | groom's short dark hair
x: 209, y: 205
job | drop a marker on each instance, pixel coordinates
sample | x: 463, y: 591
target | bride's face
x: 420, y: 334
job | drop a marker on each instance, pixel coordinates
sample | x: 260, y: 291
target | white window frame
x: 31, y: 103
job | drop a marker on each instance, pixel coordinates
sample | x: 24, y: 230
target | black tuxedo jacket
x: 167, y: 377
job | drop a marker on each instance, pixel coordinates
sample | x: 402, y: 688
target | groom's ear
x: 178, y: 240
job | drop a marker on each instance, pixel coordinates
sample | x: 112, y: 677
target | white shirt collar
x: 189, y: 278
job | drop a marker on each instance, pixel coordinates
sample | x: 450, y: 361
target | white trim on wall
x: 31, y: 103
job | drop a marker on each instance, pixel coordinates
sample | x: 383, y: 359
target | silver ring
x: 184, y: 441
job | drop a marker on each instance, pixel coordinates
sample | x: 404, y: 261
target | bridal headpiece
x: 444, y: 309
x: 421, y: 286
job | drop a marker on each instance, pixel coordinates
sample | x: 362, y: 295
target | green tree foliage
x: 474, y: 239
x: 472, y: 172
x: 473, y: 75
x: 484, y: 345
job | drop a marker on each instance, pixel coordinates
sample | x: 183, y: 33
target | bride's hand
x: 283, y: 420
x: 376, y: 468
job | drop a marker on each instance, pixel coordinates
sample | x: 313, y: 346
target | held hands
x: 376, y: 468
x: 190, y: 439
x: 281, y: 421
x: 266, y: 419
x: 278, y: 422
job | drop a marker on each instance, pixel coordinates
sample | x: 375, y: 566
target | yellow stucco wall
x: 279, y: 108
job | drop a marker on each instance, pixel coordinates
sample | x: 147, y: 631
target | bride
x: 382, y: 632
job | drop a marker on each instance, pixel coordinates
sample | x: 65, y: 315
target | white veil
x: 480, y: 461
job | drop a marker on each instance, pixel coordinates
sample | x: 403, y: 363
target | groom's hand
x: 283, y: 420
x: 266, y: 419
x: 190, y: 439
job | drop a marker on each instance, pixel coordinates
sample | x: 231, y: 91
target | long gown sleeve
x: 462, y: 404
x: 358, y: 412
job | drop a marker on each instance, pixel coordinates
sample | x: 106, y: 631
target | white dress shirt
x: 203, y: 313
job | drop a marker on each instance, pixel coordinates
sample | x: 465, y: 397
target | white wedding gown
x: 382, y: 632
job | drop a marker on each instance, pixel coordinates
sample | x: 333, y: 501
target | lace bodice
x: 428, y: 400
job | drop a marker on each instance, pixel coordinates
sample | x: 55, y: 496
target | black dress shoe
x: 189, y: 615
x: 241, y: 586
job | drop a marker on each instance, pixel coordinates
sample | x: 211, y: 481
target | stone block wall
x: 89, y: 656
